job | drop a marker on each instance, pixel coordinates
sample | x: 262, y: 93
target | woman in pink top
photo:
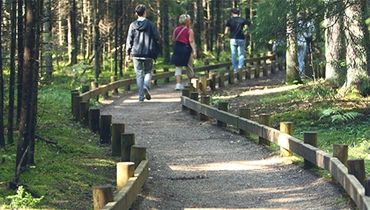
x: 184, y: 49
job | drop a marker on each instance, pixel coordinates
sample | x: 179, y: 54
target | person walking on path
x: 184, y: 49
x: 236, y: 26
x: 142, y: 47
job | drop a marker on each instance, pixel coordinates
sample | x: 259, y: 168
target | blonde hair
x: 183, y: 18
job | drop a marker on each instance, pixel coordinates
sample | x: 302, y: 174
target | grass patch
x: 64, y: 173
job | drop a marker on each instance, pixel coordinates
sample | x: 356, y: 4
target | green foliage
x: 271, y: 21
x: 23, y: 199
x: 365, y: 87
x: 321, y: 90
x: 338, y: 115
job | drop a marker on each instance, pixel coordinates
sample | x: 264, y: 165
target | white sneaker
x: 178, y: 86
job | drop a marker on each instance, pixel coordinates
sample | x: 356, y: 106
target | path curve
x: 198, y: 165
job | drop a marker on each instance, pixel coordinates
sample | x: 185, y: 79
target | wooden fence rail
x: 337, y: 169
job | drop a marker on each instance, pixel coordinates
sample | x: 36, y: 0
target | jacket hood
x: 141, y: 25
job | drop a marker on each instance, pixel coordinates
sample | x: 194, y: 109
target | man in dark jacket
x: 142, y: 47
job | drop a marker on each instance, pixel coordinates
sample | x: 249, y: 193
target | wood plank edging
x: 127, y: 195
x: 318, y: 157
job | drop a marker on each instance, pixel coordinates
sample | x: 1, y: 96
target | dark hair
x: 140, y: 9
x: 235, y: 11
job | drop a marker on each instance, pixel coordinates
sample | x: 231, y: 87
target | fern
x: 339, y: 116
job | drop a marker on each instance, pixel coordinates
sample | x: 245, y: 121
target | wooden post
x: 186, y: 93
x: 93, y: 86
x: 113, y: 79
x: 105, y: 129
x: 137, y: 154
x: 194, y: 96
x: 85, y: 88
x: 221, y: 80
x: 127, y: 140
x: 248, y: 73
x: 117, y: 130
x: 367, y: 187
x: 102, y: 195
x: 74, y: 94
x: 128, y: 87
x: 273, y: 67
x: 203, y: 84
x: 76, y: 105
x: 155, y: 82
x: 224, y: 106
x: 311, y: 139
x: 125, y: 170
x: 94, y: 115
x: 340, y: 151
x: 231, y: 77
x: 286, y: 127
x: 195, y: 83
x: 265, y: 72
x: 190, y: 87
x: 256, y: 71
x: 167, y: 79
x: 84, y: 110
x: 356, y: 167
x: 239, y: 75
x: 261, y: 70
x: 204, y: 99
x: 264, y: 119
x: 213, y: 82
x: 244, y: 113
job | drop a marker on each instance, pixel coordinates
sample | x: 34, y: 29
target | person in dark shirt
x: 141, y: 38
x: 236, y: 26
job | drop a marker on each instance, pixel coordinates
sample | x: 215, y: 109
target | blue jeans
x: 143, y: 70
x: 237, y: 53
x: 302, y: 50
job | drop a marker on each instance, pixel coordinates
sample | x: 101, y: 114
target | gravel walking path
x: 195, y: 164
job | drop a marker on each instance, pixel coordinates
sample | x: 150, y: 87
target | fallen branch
x: 46, y: 140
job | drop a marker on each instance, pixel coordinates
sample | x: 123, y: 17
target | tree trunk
x: 334, y: 44
x: 29, y: 63
x: 357, y: 51
x: 35, y: 82
x: 218, y: 29
x: 13, y: 44
x: 164, y: 14
x: 72, y: 33
x: 292, y: 74
x: 20, y: 58
x: 208, y: 25
x: 96, y: 39
x: 61, y: 19
x: 117, y: 12
x: 199, y: 26
x: 88, y: 13
x: 2, y: 138
x: 48, y: 41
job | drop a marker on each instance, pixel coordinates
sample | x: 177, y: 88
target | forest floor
x: 195, y: 164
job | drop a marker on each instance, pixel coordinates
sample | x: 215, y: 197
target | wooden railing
x: 352, y: 179
x: 257, y: 66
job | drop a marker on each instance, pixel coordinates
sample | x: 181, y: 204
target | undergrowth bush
x: 23, y: 199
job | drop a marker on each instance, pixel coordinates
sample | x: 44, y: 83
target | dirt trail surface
x: 198, y: 165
